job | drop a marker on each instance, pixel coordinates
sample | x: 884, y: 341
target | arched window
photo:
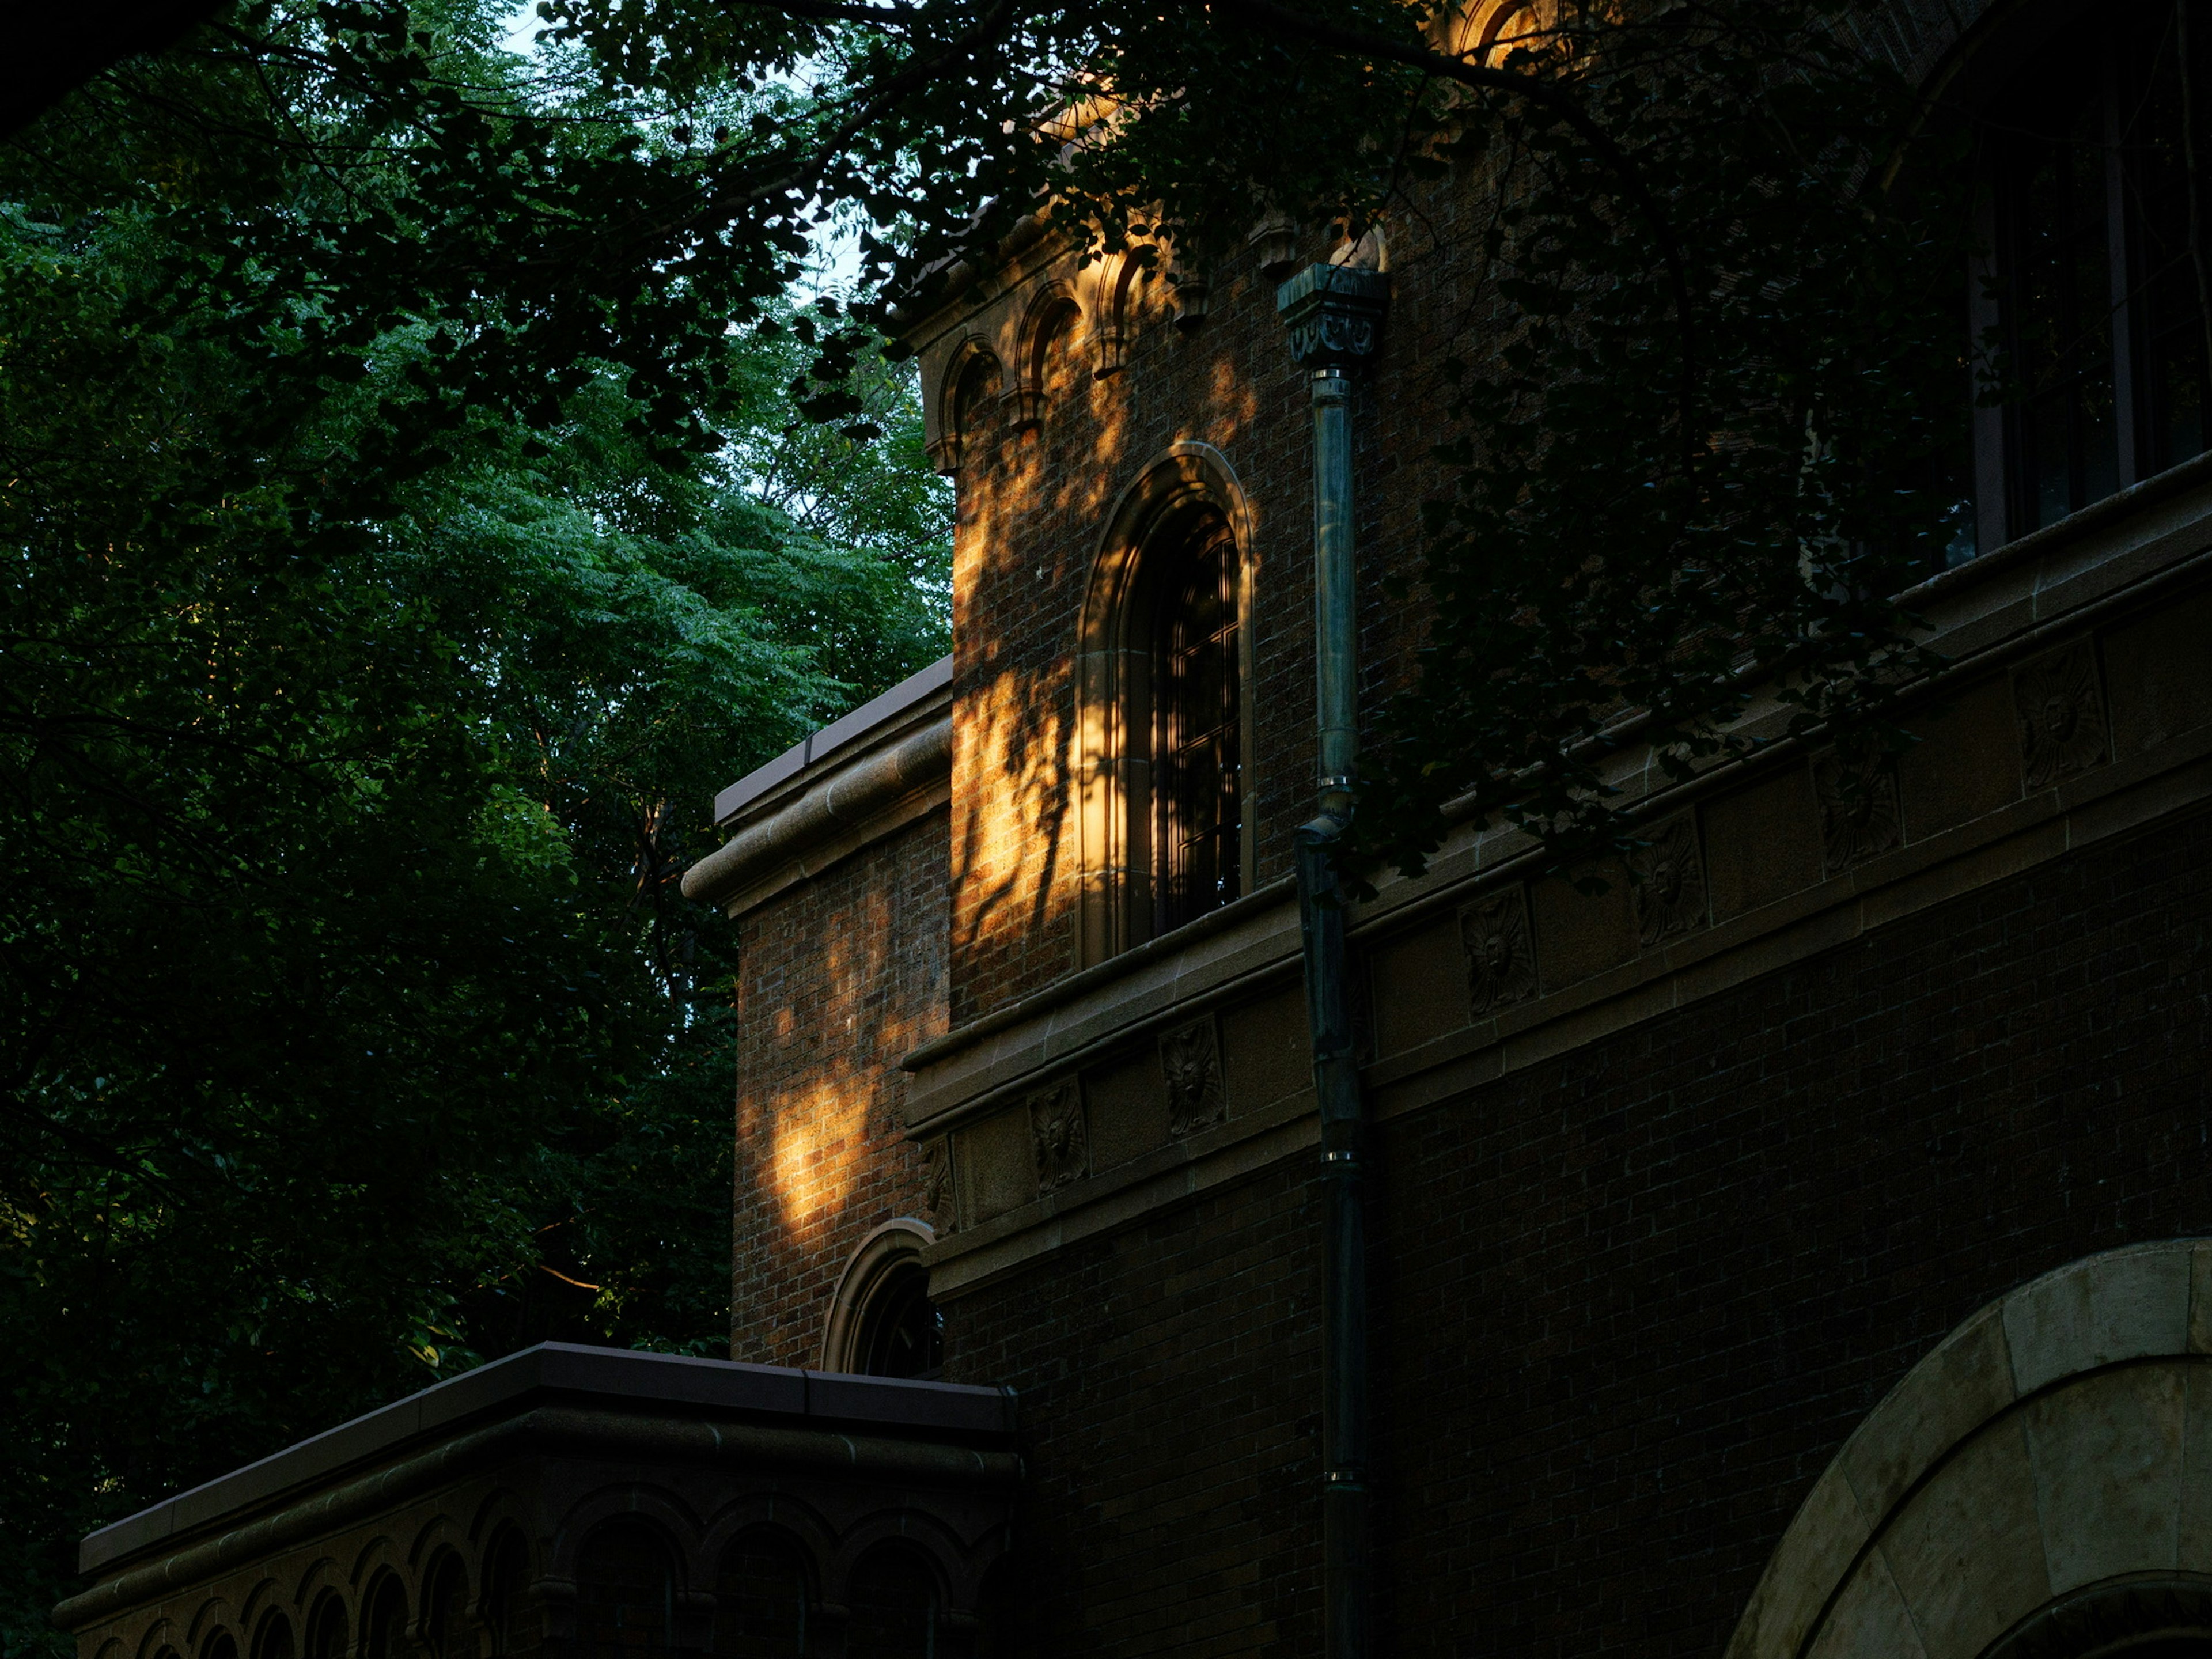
x: 1197, y: 743
x: 1162, y: 751
x: 901, y: 1332
x: 274, y: 1639
x: 894, y: 1607
x: 625, y: 1593
x: 2091, y: 315
x: 882, y: 1323
x: 506, y: 1573
x: 221, y: 1645
x: 385, y: 1624
x: 761, y: 1599
x: 326, y: 1629
x: 445, y: 1614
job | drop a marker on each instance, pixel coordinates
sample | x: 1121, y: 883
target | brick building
x: 1792, y: 1251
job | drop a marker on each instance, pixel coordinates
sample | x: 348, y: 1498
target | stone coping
x: 667, y: 1385
x: 819, y: 746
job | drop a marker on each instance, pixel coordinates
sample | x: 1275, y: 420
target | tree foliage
x: 353, y: 731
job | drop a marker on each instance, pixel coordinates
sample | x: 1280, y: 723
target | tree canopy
x: 353, y: 731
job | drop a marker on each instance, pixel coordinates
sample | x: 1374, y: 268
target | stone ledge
x: 567, y: 1373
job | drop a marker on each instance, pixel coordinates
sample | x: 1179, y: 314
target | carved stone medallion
x: 1501, y: 955
x: 2062, y: 716
x: 1860, y: 817
x: 938, y: 1198
x: 1669, y: 882
x: 1190, y: 1058
x: 1057, y: 1133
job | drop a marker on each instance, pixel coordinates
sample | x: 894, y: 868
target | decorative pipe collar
x: 1335, y: 313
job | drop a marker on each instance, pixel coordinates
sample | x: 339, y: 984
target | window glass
x: 446, y: 1614
x: 2056, y: 224
x: 503, y: 1581
x: 760, y: 1607
x: 326, y: 1631
x: 894, y: 1607
x: 901, y: 1330
x: 2100, y: 164
x: 624, y: 1593
x: 1197, y: 771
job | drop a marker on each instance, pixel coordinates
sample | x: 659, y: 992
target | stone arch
x: 1112, y: 668
x: 1054, y: 313
x: 659, y: 1512
x: 973, y: 379
x: 766, y: 1569
x: 894, y: 1246
x: 2042, y: 1471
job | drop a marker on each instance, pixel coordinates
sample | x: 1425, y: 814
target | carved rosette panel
x: 2061, y: 704
x: 1058, y: 1136
x: 1668, y: 882
x: 1190, y: 1059
x: 939, y: 1197
x: 1501, y: 951
x: 1860, y: 815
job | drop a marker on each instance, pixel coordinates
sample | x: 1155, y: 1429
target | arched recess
x: 875, y: 1300
x: 2035, y: 1488
x: 1113, y: 669
x: 973, y: 383
x: 1049, y: 327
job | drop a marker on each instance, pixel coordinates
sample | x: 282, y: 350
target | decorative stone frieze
x: 1668, y: 882
x: 1190, y: 1059
x: 940, y: 1192
x: 1860, y: 814
x: 1335, y: 314
x: 1501, y: 951
x: 2061, y: 703
x: 1058, y: 1136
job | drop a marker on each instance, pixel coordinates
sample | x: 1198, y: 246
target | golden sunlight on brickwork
x: 838, y: 980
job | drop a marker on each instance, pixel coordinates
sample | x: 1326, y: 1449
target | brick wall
x: 1032, y: 507
x: 838, y: 978
x: 1629, y: 1302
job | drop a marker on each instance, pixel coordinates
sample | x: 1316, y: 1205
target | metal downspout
x: 1335, y: 314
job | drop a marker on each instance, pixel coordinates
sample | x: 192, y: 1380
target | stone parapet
x: 486, y: 1489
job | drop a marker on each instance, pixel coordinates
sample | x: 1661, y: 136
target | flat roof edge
x: 820, y: 745
x: 634, y: 1378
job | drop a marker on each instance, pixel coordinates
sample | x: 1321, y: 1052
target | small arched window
x: 445, y: 1614
x: 326, y: 1629
x: 901, y: 1332
x: 505, y: 1575
x: 894, y: 1607
x: 761, y: 1599
x: 882, y: 1323
x: 625, y: 1593
x: 274, y: 1639
x: 386, y: 1622
x: 1197, y: 743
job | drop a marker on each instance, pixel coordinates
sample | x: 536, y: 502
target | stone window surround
x: 1112, y: 670
x: 887, y: 1247
x: 2117, y: 556
x: 2036, y: 1464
